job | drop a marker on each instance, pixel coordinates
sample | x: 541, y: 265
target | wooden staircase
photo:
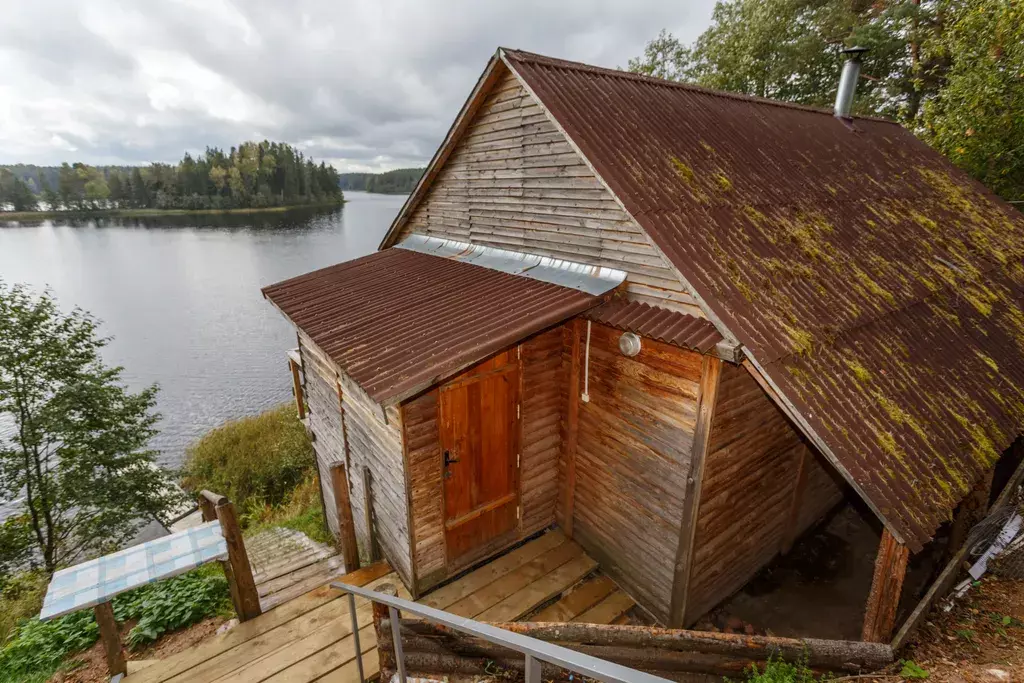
x: 287, y: 563
x: 309, y: 638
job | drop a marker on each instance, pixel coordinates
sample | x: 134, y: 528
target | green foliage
x: 951, y: 70
x: 399, y: 181
x: 21, y: 596
x: 255, y: 461
x: 33, y: 650
x: 912, y: 669
x: 253, y: 175
x: 79, y: 449
x: 15, y: 192
x: 302, y: 511
x: 172, y: 604
x: 778, y: 671
x: 36, y: 649
x: 977, y: 118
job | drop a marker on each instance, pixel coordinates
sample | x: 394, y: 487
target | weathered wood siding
x: 324, y: 415
x: 370, y: 444
x: 542, y: 406
x: 750, y: 479
x: 632, y: 461
x: 423, y: 455
x: 513, y: 181
x: 377, y: 445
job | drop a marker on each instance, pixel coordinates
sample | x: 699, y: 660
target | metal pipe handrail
x: 534, y: 651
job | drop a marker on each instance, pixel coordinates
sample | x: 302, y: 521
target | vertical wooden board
x: 750, y: 478
x: 633, y: 455
x: 886, y: 587
x: 423, y: 452
x: 711, y: 372
x: 572, y: 400
x: 513, y: 181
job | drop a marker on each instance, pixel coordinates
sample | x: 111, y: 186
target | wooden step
x: 578, y: 600
x: 331, y: 565
x: 608, y: 610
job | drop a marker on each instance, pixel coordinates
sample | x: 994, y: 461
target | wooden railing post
x: 208, y: 502
x: 385, y: 642
x: 237, y: 569
x: 343, y: 511
x: 116, y: 662
x: 886, y: 586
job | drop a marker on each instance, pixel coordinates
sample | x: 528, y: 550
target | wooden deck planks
x: 578, y: 601
x: 526, y: 599
x: 492, y: 571
x: 493, y: 593
x: 608, y: 610
x: 309, y: 638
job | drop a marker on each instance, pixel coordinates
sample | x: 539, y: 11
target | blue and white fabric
x: 90, y: 583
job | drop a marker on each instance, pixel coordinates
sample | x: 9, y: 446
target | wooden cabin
x: 679, y: 324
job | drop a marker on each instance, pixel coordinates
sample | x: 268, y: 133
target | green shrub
x: 303, y: 511
x: 172, y: 604
x: 34, y: 650
x: 778, y: 671
x: 255, y: 461
x: 21, y: 597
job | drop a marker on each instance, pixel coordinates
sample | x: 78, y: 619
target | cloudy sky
x: 364, y: 84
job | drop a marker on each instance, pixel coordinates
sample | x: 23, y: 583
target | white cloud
x: 363, y: 84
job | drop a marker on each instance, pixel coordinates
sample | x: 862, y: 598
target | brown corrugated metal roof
x: 671, y: 327
x: 398, y: 321
x: 877, y: 286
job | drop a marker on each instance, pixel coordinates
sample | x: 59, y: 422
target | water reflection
x: 181, y: 297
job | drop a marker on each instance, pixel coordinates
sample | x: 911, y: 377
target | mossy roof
x: 878, y: 287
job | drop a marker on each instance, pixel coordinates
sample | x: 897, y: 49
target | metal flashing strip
x: 594, y: 280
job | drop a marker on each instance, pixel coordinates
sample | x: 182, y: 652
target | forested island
x: 253, y: 176
x: 399, y: 181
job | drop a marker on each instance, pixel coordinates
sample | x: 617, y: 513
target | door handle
x: 448, y: 459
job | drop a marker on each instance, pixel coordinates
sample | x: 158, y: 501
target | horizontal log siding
x: 324, y: 421
x: 750, y: 477
x: 635, y: 436
x: 823, y: 490
x: 513, y: 181
x: 542, y: 407
x: 423, y: 452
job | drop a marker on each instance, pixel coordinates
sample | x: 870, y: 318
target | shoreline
x: 148, y: 213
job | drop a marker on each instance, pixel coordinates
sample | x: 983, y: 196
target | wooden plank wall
x: 513, y: 181
x: 324, y: 420
x: 371, y: 443
x: 542, y: 406
x: 423, y: 455
x: 374, y: 444
x: 750, y: 480
x: 632, y: 461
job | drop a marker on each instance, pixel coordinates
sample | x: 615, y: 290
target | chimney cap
x: 855, y: 52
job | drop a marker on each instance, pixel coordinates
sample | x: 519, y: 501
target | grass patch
x: 302, y: 511
x: 778, y: 671
x: 257, y: 461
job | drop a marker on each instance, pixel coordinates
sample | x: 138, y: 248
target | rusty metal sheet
x: 877, y: 286
x: 662, y: 324
x: 399, y: 321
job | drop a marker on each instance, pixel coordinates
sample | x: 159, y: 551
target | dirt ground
x: 93, y: 667
x: 981, y: 640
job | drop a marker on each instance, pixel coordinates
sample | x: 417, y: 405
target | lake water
x: 181, y: 298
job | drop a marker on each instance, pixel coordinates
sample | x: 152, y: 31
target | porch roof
x: 399, y: 321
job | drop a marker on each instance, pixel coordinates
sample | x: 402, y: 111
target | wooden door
x: 479, y: 429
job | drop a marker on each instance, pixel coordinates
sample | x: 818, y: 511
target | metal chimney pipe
x: 848, y: 81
